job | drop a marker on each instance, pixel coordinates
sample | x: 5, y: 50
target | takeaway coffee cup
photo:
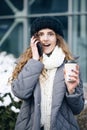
x: 69, y: 66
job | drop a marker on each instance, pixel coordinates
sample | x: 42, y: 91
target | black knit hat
x: 47, y: 22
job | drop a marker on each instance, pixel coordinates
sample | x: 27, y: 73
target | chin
x: 47, y: 52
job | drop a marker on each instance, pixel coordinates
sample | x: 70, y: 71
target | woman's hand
x: 74, y: 80
x: 33, y: 45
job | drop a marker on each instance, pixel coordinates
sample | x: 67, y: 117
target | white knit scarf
x: 50, y: 63
x: 55, y: 59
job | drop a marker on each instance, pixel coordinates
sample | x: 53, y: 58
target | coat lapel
x: 58, y: 92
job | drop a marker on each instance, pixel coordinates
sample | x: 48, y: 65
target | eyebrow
x: 47, y: 32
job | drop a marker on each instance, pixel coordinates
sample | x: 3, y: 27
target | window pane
x: 49, y: 6
x: 79, y: 39
x: 79, y: 42
x: 14, y: 41
x: 79, y: 5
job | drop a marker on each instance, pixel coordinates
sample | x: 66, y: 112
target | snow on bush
x: 7, y: 64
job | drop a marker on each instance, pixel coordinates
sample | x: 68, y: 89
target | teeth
x: 47, y: 45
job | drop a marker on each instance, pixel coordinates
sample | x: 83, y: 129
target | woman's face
x: 48, y: 40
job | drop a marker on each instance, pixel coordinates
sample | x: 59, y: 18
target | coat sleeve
x: 24, y: 85
x: 76, y: 100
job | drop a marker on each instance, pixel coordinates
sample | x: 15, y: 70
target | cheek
x: 41, y: 38
x: 54, y: 42
x: 53, y: 46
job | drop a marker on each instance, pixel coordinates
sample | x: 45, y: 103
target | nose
x: 45, y: 37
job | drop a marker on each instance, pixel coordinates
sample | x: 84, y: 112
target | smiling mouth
x: 46, y: 45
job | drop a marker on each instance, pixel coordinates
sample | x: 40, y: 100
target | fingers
x: 71, y: 79
x: 34, y: 41
x: 72, y: 76
x: 77, y: 67
x: 34, y: 49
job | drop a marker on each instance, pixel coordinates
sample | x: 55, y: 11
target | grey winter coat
x: 64, y: 106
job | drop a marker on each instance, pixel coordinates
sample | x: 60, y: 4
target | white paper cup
x: 68, y: 69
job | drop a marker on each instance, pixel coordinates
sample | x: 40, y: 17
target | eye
x: 51, y: 33
x: 40, y: 34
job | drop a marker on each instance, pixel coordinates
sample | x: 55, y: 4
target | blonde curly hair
x: 27, y: 55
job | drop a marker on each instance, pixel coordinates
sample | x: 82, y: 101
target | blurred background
x: 16, y: 17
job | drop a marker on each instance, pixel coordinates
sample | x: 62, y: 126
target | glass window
x: 49, y: 6
x: 14, y: 41
x: 79, y: 36
x: 59, y: 6
x: 40, y: 6
x: 11, y: 31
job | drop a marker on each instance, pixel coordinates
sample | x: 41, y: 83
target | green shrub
x: 7, y: 115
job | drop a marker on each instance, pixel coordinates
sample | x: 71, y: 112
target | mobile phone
x: 39, y: 46
x: 40, y: 49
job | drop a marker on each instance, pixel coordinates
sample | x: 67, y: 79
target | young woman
x: 49, y: 100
